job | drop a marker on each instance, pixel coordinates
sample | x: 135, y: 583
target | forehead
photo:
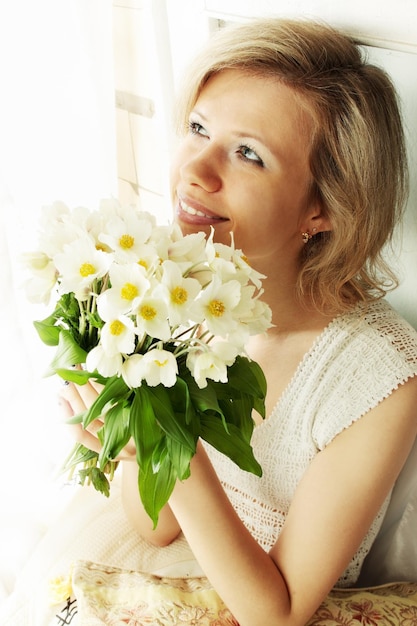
x: 255, y: 103
x: 267, y: 90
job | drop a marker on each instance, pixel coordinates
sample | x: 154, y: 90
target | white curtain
x: 57, y: 142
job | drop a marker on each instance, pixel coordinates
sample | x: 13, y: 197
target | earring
x: 306, y: 236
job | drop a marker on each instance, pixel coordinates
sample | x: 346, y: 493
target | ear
x: 315, y: 220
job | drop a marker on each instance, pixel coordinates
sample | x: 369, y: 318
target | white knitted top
x: 356, y: 362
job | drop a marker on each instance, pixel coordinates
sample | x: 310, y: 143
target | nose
x: 203, y: 169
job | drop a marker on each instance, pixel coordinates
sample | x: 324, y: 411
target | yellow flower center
x: 87, y: 269
x: 126, y: 242
x: 143, y: 263
x: 129, y: 291
x: 116, y: 327
x: 148, y: 312
x: 216, y: 308
x: 179, y: 295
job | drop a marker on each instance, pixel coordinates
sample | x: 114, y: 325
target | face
x: 243, y: 167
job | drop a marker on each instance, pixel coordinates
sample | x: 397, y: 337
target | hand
x: 75, y: 399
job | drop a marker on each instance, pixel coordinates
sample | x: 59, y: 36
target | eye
x: 195, y: 128
x: 249, y: 154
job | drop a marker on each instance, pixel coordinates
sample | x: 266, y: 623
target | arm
x: 168, y: 527
x: 331, y: 512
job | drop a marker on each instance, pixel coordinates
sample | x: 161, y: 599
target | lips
x: 196, y: 214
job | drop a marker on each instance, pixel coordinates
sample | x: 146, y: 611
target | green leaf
x: 68, y: 307
x: 115, y: 389
x: 143, y: 426
x: 47, y: 331
x: 97, y: 478
x: 172, y: 422
x: 183, y: 404
x: 232, y: 445
x: 80, y: 377
x: 79, y: 454
x: 115, y: 433
x: 247, y: 376
x: 94, y: 320
x: 180, y: 457
x: 244, y: 377
x: 155, y: 488
x: 158, y: 454
x: 76, y: 419
x: 202, y: 399
x: 68, y: 352
x: 238, y: 411
x: 100, y: 481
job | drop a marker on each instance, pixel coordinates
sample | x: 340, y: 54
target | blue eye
x: 195, y: 128
x: 250, y: 155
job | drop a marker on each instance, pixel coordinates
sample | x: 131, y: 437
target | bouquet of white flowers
x: 161, y: 320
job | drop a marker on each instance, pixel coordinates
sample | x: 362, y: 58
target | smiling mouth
x: 189, y: 210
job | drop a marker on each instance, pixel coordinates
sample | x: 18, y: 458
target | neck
x: 289, y: 313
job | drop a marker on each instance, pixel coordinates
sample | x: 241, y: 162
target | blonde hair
x: 358, y: 157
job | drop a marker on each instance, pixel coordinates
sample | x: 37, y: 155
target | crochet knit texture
x: 356, y: 362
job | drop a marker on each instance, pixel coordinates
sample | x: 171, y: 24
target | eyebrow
x: 242, y: 135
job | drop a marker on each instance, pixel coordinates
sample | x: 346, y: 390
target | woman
x: 291, y: 141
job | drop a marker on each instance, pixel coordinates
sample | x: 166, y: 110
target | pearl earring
x: 306, y: 236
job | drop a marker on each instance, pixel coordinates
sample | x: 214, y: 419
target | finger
x: 72, y: 396
x: 97, y: 386
x: 84, y: 437
x: 94, y: 426
x: 88, y: 393
x: 87, y: 437
x: 65, y: 408
x: 75, y: 404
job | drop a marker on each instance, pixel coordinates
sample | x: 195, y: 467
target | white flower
x: 229, y: 263
x: 126, y: 234
x: 61, y: 227
x: 53, y: 214
x: 219, y: 258
x: 216, y: 304
x: 242, y: 264
x: 159, y: 366
x: 129, y: 285
x: 211, y: 362
x: 178, y: 292
x: 259, y: 319
x: 38, y: 288
x: 148, y: 259
x: 163, y: 236
x: 106, y: 364
x: 188, y: 251
x: 118, y: 335
x: 79, y: 265
x: 36, y: 261
x: 152, y: 318
x: 132, y: 370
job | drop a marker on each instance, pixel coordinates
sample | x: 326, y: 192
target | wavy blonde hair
x: 358, y: 157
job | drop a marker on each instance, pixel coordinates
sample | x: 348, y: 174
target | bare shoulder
x: 341, y: 493
x: 382, y: 439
